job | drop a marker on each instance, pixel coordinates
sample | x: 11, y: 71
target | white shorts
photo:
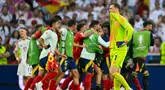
x: 24, y: 69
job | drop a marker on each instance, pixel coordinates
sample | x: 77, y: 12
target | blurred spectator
x: 104, y: 16
x: 89, y: 10
x: 4, y: 31
x: 82, y: 3
x: 160, y: 26
x: 162, y: 61
x: 99, y: 6
x: 73, y: 11
x: 10, y: 5
x: 157, y: 45
x: 141, y: 7
x: 1, y: 4
x: 3, y: 53
x: 132, y: 5
x: 63, y: 12
x: 28, y: 12
x: 152, y: 4
x: 145, y: 15
x: 156, y: 12
x: 5, y: 15
x: 14, y: 38
x: 125, y: 11
x: 20, y: 11
x: 138, y: 25
x: 37, y: 18
x: 90, y: 19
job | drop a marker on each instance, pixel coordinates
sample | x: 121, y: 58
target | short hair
x: 71, y: 23
x: 158, y: 39
x: 79, y: 26
x: 23, y: 28
x: 116, y: 5
x: 55, y: 19
x: 147, y: 23
x: 93, y: 23
x: 106, y: 25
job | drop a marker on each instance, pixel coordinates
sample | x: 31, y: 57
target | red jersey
x: 78, y: 39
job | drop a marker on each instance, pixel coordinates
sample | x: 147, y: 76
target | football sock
x: 28, y: 83
x: 105, y: 84
x: 66, y: 82
x: 87, y: 81
x: 52, y: 85
x: 136, y: 81
x: 145, y: 81
x: 116, y: 85
x: 36, y: 80
x: 117, y: 76
x: 110, y: 84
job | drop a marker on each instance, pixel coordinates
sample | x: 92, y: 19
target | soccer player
x: 48, y: 42
x: 88, y: 54
x: 22, y: 46
x: 78, y: 46
x: 128, y: 64
x: 141, y: 42
x: 105, y: 64
x: 66, y: 47
x: 33, y: 57
x: 120, y: 33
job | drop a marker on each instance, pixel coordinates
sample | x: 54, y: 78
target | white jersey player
x: 22, y: 47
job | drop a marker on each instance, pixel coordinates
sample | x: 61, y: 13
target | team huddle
x: 98, y: 51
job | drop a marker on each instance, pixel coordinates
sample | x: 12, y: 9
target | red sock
x: 37, y: 79
x: 87, y: 81
x: 71, y: 86
x: 105, y: 84
x: 52, y: 85
x: 47, y: 78
x: 66, y: 82
x: 136, y: 81
x: 110, y: 84
x: 28, y: 83
x: 76, y: 87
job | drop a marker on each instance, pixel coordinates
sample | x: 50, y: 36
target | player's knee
x: 113, y: 70
x: 99, y: 72
x: 146, y: 73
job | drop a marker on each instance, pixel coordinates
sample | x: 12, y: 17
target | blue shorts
x: 86, y: 65
x: 35, y: 69
x: 43, y: 62
x: 68, y: 64
x: 105, y: 65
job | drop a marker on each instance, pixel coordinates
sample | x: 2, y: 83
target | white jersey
x: 23, y: 46
x: 50, y: 38
x: 23, y: 68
